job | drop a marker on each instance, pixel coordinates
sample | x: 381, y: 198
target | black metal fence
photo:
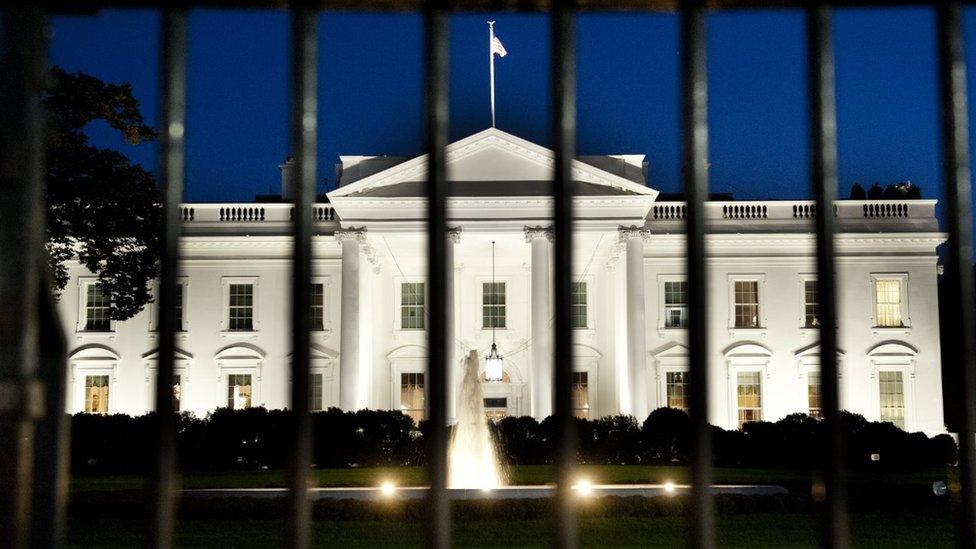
x: 33, y: 427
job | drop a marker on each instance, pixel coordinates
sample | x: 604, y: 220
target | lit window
x: 675, y: 304
x: 814, y: 399
x: 749, y: 391
x: 96, y: 395
x: 581, y: 395
x: 239, y: 391
x: 746, y: 304
x: 315, y: 392
x: 96, y: 309
x: 811, y: 304
x: 493, y: 305
x: 578, y: 305
x: 412, y: 396
x: 412, y: 306
x: 241, y: 313
x: 677, y: 390
x: 496, y: 408
x: 887, y: 294
x: 892, y: 395
x: 318, y: 307
x: 177, y: 392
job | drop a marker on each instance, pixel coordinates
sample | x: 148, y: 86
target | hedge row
x: 258, y: 438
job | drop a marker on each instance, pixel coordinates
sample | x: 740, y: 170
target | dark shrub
x: 857, y: 192
x: 615, y: 440
x: 521, y: 441
x: 666, y: 436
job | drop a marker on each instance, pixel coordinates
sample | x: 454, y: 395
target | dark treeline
x: 257, y: 438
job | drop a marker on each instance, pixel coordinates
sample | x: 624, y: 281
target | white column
x: 634, y: 238
x: 349, y: 374
x: 453, y: 358
x: 541, y: 338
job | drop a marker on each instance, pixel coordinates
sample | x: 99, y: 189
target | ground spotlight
x: 388, y: 488
x: 669, y: 487
x: 583, y: 487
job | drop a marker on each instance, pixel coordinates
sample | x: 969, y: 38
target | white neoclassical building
x: 629, y: 301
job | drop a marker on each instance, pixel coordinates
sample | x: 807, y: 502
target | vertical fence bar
x: 436, y: 62
x: 694, y: 108
x: 563, y: 52
x: 52, y: 455
x: 304, y: 125
x: 955, y: 154
x: 823, y: 177
x: 22, y: 78
x: 171, y: 164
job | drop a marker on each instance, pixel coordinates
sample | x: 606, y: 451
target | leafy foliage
x: 102, y: 208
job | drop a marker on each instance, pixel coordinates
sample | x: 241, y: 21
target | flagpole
x: 491, y: 67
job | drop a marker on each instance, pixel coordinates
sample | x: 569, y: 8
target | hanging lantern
x: 494, y: 365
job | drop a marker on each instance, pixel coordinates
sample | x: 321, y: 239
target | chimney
x: 287, y: 180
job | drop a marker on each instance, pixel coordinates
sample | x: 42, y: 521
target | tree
x: 102, y: 208
x: 857, y: 192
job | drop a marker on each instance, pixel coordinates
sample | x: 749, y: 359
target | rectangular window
x: 746, y: 304
x: 241, y: 313
x: 179, y: 307
x: 749, y: 392
x: 96, y: 395
x: 496, y: 408
x: 318, y: 307
x: 814, y: 402
x: 177, y: 392
x: 239, y: 391
x: 887, y: 295
x: 892, y: 392
x: 676, y: 304
x: 578, y: 305
x: 493, y: 305
x: 315, y: 392
x: 811, y: 304
x: 412, y: 396
x: 677, y: 390
x: 96, y: 309
x: 581, y: 395
x: 412, y: 306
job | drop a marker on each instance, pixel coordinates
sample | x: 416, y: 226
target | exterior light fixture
x: 669, y: 487
x: 583, y: 487
x: 494, y: 364
x: 387, y: 488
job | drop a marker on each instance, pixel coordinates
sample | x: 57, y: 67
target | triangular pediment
x: 491, y: 163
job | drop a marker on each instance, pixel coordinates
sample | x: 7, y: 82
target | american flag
x: 497, y: 47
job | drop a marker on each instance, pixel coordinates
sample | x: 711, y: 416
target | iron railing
x: 33, y: 467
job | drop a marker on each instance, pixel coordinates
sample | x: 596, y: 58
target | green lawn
x: 526, y: 474
x: 788, y: 530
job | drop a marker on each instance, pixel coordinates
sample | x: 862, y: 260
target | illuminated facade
x: 629, y: 298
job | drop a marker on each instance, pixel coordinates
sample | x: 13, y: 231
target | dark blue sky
x: 371, y: 79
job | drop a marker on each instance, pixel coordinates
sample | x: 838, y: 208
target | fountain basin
x: 505, y: 492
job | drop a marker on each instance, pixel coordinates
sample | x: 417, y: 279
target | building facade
x: 629, y: 298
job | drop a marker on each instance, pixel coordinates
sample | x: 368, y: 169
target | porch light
x: 494, y: 364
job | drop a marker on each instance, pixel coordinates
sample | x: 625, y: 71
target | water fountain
x: 472, y: 461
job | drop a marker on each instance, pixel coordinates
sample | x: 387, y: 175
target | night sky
x: 370, y: 84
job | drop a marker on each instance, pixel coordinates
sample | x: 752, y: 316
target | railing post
x: 171, y: 163
x: 694, y: 108
x: 823, y: 177
x: 437, y: 70
x: 22, y: 79
x: 563, y: 52
x: 957, y: 174
x: 304, y: 127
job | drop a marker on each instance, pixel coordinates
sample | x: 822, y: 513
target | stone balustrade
x: 251, y: 213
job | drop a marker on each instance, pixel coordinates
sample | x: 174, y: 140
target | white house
x: 629, y: 304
